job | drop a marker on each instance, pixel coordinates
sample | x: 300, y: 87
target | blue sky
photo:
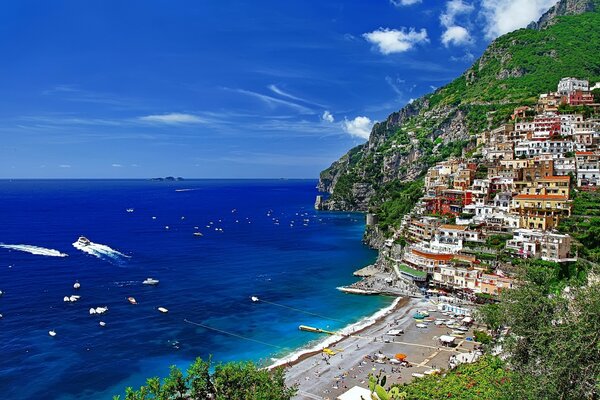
x: 222, y: 89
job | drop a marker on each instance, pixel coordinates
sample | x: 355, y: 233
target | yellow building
x: 540, y: 211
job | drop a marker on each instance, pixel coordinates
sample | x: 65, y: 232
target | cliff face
x: 563, y: 7
x: 512, y: 71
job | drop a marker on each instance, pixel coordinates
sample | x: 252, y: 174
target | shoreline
x: 355, y: 328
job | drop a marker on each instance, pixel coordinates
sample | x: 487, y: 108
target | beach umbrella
x: 400, y: 357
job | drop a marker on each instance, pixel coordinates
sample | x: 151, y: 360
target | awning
x: 447, y: 339
x: 356, y: 393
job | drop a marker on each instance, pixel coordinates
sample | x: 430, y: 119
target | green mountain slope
x: 382, y: 174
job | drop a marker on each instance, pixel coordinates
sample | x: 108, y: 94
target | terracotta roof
x: 437, y: 257
x: 584, y: 153
x: 556, y: 178
x: 454, y: 227
x: 539, y: 197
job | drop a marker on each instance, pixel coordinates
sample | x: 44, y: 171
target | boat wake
x: 100, y: 250
x: 38, y: 251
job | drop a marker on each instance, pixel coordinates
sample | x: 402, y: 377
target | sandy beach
x: 321, y: 376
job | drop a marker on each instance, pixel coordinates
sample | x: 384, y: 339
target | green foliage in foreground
x: 486, y: 379
x: 240, y: 381
x: 553, y: 346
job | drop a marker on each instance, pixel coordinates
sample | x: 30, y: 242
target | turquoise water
x: 265, y: 240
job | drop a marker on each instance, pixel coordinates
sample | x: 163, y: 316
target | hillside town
x: 503, y: 200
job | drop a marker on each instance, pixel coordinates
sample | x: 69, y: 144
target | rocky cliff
x: 512, y: 70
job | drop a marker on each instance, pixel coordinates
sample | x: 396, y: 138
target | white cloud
x: 396, y: 41
x: 274, y: 102
x: 503, y: 16
x: 456, y: 35
x: 359, y: 127
x: 172, y: 118
x: 327, y: 116
x: 116, y: 165
x: 399, y: 3
x: 64, y: 166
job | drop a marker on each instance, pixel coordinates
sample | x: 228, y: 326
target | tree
x: 554, y: 343
x: 240, y: 381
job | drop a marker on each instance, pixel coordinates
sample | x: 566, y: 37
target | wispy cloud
x: 390, y: 41
x: 64, y: 166
x: 274, y: 102
x: 503, y: 16
x: 74, y: 93
x: 282, y: 93
x: 116, y: 165
x: 399, y: 3
x: 172, y: 118
x: 359, y: 127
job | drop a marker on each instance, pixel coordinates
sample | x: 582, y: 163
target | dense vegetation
x: 240, y: 381
x: 553, y: 346
x: 584, y: 225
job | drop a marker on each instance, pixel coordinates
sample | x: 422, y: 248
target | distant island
x: 168, y: 179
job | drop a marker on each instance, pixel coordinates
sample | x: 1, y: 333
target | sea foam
x: 38, y: 251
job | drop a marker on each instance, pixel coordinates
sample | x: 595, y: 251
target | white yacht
x: 163, y: 310
x: 150, y: 281
x: 52, y: 333
x: 83, y: 241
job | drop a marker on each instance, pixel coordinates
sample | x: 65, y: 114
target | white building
x: 566, y: 86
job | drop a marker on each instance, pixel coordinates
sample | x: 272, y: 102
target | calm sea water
x: 243, y: 252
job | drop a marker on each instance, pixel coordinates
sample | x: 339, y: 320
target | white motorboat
x: 197, y: 233
x: 1, y: 293
x: 98, y: 310
x: 66, y: 299
x: 102, y: 323
x: 130, y: 210
x: 52, y: 333
x: 83, y: 241
x: 254, y: 299
x: 421, y: 326
x: 163, y: 310
x: 132, y: 300
x: 76, y: 285
x: 150, y: 281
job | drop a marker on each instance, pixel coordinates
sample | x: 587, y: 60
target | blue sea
x: 260, y: 238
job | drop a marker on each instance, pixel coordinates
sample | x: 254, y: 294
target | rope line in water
x: 231, y: 334
x: 302, y: 311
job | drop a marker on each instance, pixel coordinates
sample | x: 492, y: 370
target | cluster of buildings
x: 508, y: 199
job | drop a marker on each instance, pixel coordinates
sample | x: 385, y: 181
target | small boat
x: 150, y: 281
x: 1, y: 315
x: 102, y: 323
x: 83, y: 241
x: 52, y: 333
x: 162, y: 310
x: 254, y: 299
x: 153, y: 217
x: 66, y: 299
x: 74, y: 298
x: 76, y: 285
x: 421, y: 326
x: 166, y: 226
x: 132, y: 300
x: 182, y: 218
x: 98, y: 310
x: 197, y: 233
x: 130, y: 210
x: 1, y: 293
x: 417, y: 375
